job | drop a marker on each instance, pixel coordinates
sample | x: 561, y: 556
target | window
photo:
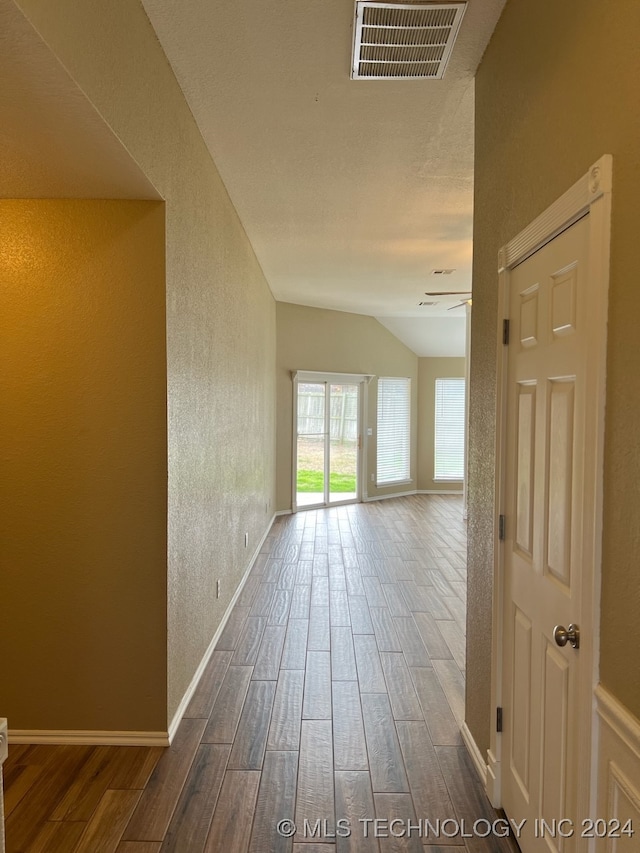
x: 449, y: 443
x: 394, y: 430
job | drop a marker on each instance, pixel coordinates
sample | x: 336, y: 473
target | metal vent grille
x: 398, y: 42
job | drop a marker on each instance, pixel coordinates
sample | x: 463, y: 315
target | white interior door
x: 548, y: 444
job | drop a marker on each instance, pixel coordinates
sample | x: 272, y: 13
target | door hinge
x: 498, y: 719
x: 505, y: 332
x: 501, y: 527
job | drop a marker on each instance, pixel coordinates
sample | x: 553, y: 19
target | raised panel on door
x: 521, y: 702
x: 563, y: 300
x: 559, y: 476
x: 529, y: 317
x: 555, y: 748
x: 525, y: 461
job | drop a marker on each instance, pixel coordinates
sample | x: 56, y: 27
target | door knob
x: 563, y: 635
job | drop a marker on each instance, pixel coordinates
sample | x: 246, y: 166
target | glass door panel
x: 343, y: 442
x: 311, y: 455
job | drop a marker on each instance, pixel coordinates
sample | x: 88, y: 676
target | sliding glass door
x: 344, y: 436
x: 327, y: 442
x: 311, y: 453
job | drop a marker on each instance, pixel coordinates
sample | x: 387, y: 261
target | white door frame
x: 360, y: 379
x: 590, y: 195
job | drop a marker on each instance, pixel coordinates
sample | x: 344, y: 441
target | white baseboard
x: 93, y: 738
x: 4, y: 732
x: 191, y: 689
x: 618, y: 764
x: 369, y: 498
x: 475, y: 754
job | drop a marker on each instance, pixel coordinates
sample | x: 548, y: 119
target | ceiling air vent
x: 395, y: 41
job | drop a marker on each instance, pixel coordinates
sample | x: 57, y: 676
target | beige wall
x: 335, y: 341
x: 220, y: 319
x: 83, y: 489
x: 545, y: 111
x: 430, y: 369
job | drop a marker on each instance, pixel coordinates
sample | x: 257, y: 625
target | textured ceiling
x: 351, y: 191
x: 431, y: 336
x: 53, y: 143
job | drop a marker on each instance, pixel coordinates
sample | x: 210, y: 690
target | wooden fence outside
x: 343, y: 417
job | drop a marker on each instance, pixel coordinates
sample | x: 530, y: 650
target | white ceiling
x: 53, y: 143
x: 430, y: 336
x: 351, y: 191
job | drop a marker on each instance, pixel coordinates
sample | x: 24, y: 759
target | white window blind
x: 450, y: 420
x: 394, y: 430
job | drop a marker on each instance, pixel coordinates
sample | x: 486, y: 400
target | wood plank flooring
x: 334, y: 699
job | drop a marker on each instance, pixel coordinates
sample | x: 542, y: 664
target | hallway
x: 336, y: 691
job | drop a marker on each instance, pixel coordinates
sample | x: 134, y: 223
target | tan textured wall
x: 544, y: 113
x: 335, y: 341
x: 430, y: 369
x: 84, y: 465
x: 220, y: 319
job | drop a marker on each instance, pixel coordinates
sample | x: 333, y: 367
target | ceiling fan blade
x: 459, y: 305
x: 448, y: 293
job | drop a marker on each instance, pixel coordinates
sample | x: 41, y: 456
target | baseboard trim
x: 474, y: 753
x: 369, y: 498
x: 612, y: 712
x: 4, y: 734
x: 191, y: 689
x: 91, y: 738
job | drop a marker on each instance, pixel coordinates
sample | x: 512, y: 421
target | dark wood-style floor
x: 336, y: 692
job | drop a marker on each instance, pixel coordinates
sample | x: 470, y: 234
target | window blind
x: 394, y: 430
x: 450, y: 424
